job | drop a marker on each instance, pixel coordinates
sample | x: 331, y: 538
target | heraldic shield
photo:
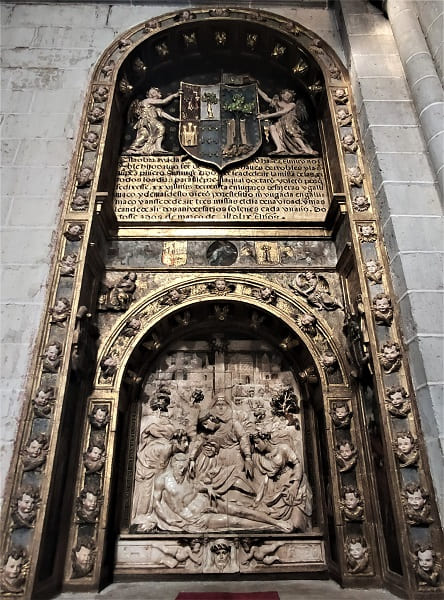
x: 218, y: 123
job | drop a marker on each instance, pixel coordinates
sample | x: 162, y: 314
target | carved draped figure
x: 149, y: 129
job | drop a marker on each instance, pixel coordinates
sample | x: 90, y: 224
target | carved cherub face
x: 97, y: 112
x: 342, y: 114
x: 174, y: 295
x: 346, y: 451
x: 416, y: 500
x: 351, y: 500
x: 89, y: 502
x: 75, y: 229
x: 13, y: 568
x: 341, y: 412
x: 348, y: 139
x: 340, y: 94
x: 356, y: 550
x: 100, y: 415
x: 95, y: 454
x: 405, y: 444
x: 34, y: 449
x: 360, y: 201
x: 371, y: 265
x: 425, y: 560
x: 52, y: 352
x: 391, y: 352
x: 25, y: 506
x: 42, y: 398
x: 367, y: 230
x: 84, y: 558
x: 70, y: 260
x: 266, y: 293
x: 397, y: 398
x: 61, y: 305
x: 220, y: 285
x: 382, y: 304
x: 308, y: 320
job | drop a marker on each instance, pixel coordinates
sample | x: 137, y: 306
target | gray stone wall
x: 49, y: 51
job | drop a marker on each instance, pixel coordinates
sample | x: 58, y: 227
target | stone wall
x: 49, y: 51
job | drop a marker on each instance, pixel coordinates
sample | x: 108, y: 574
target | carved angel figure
x: 356, y: 554
x: 344, y: 117
x: 79, y: 203
x: 91, y: 141
x: 258, y: 551
x: 329, y: 362
x: 35, y: 452
x: 83, y: 556
x: 13, y: 572
x: 52, y: 357
x: 99, y: 417
x: 355, y: 176
x: 100, y: 94
x: 406, y: 449
x: 397, y: 401
x: 307, y: 323
x: 390, y: 357
x: 352, y: 505
x: 382, y: 309
x: 75, y: 232
x: 346, y: 456
x: 24, y: 510
x: 131, y: 328
x: 220, y: 287
x: 416, y: 504
x: 360, y: 203
x: 374, y: 271
x: 96, y: 115
x: 316, y: 289
x: 340, y: 96
x: 349, y: 143
x: 68, y: 265
x: 427, y: 565
x: 88, y: 505
x: 43, y: 402
x: 94, y: 457
x: 175, y: 296
x: 286, y: 132
x: 341, y: 415
x: 118, y: 297
x: 146, y: 116
x: 265, y: 294
x: 60, y: 312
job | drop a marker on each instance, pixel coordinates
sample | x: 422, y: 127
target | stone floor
x: 288, y: 590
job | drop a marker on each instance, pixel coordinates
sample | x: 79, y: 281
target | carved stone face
x: 416, y: 500
x: 220, y: 406
x: 220, y: 285
x: 349, y: 140
x: 372, y: 265
x: 84, y: 558
x: 95, y: 454
x: 25, y: 506
x: 100, y: 416
x: 341, y: 412
x: 356, y: 550
x: 34, y: 449
x: 179, y: 466
x: 345, y: 451
x: 366, y: 230
x: 405, y: 444
x: 397, y: 399
x: 13, y: 568
x: 266, y: 293
x: 391, y: 353
x: 425, y: 560
x: 221, y: 558
x: 75, y: 229
x: 351, y: 500
x: 42, y: 399
x: 382, y: 304
x: 52, y: 352
x: 89, y: 503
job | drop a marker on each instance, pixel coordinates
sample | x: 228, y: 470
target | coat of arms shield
x: 218, y: 123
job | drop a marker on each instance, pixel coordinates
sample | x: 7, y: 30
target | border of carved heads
x: 148, y: 311
x: 390, y: 361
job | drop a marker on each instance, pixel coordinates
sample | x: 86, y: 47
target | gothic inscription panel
x: 168, y: 188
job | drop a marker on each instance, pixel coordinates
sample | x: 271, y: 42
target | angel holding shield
x: 146, y: 116
x: 286, y: 132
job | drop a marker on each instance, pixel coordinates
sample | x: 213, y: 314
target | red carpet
x: 227, y: 596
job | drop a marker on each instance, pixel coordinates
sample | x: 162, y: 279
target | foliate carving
x: 88, y: 505
x: 382, y: 309
x: 24, y: 509
x: 220, y: 287
x: 146, y: 116
x: 131, y: 328
x: 96, y: 115
x: 43, y: 402
x: 356, y: 554
x: 390, y: 357
x: 176, y: 296
x: 286, y: 132
x: 346, y: 456
x: 344, y: 117
x: 99, y: 416
x: 68, y: 265
x: 74, y: 232
x: 340, y: 96
x: 341, y: 415
x: 405, y: 447
x: 13, y: 572
x: 52, y: 357
x: 355, y: 176
x: 316, y: 289
x: 94, y: 457
x: 360, y: 203
x: 351, y: 504
x: 427, y: 566
x: 349, y: 143
x: 416, y: 503
x: 308, y: 324
x: 118, y: 297
x: 100, y: 94
x: 265, y: 294
x: 60, y: 312
x: 83, y: 557
x: 374, y: 271
x: 397, y: 401
x: 34, y: 453
x: 91, y: 141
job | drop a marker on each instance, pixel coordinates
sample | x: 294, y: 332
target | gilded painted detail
x: 357, y: 554
x: 406, y: 450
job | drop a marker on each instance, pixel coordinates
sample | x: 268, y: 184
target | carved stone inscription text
x: 169, y: 189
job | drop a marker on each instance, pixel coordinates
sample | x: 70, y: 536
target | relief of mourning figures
x: 427, y: 566
x: 24, y: 508
x: 13, y: 572
x: 206, y: 462
x: 416, y: 503
x: 406, y: 450
x: 351, y: 504
x: 34, y: 453
x: 119, y: 296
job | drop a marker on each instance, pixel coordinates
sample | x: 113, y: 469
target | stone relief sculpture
x: 52, y: 357
x: 346, y: 456
x: 84, y: 177
x: 132, y: 328
x: 355, y: 176
x: 88, y: 505
x: 118, y: 297
x: 427, y: 566
x: 99, y: 417
x: 13, y: 572
x: 91, y: 141
x: 222, y: 557
x: 341, y: 415
x: 94, y: 457
x: 75, y: 232
x: 360, y: 203
x: 265, y: 294
x: 344, y: 117
x: 382, y: 309
x: 390, y: 357
x: 397, y: 401
x: 83, y: 556
x: 349, y: 143
x: 406, y: 449
x: 286, y: 132
x: 329, y: 361
x: 60, y: 312
x: 175, y: 296
x: 340, y: 96
x: 43, y: 402
x: 96, y: 115
x: 367, y: 232
x: 374, y: 271
x: 100, y: 94
x: 34, y: 453
x: 221, y: 287
x: 351, y: 504
x: 316, y: 289
x: 108, y: 366
x: 68, y: 265
x: 255, y: 552
x: 220, y: 460
x: 146, y: 118
x: 24, y: 510
x: 356, y: 554
x: 416, y: 503
x: 308, y: 324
